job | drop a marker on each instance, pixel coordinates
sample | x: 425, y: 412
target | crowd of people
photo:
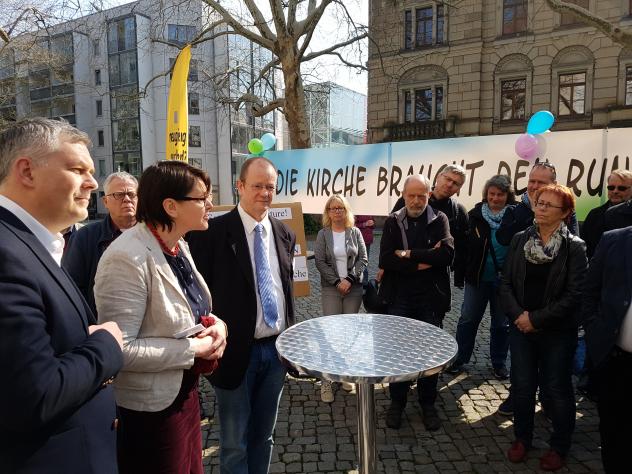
x: 106, y: 328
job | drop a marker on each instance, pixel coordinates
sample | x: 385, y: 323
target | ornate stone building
x: 480, y: 67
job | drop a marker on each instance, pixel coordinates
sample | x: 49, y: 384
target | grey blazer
x: 136, y: 288
x: 326, y: 261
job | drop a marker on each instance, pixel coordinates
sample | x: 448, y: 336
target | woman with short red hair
x: 540, y: 292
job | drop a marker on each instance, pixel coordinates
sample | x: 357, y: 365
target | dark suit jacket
x: 607, y: 292
x: 221, y: 255
x: 594, y: 227
x: 55, y: 413
x: 619, y: 216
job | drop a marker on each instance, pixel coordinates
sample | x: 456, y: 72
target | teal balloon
x: 540, y: 122
x: 268, y: 140
x: 255, y: 146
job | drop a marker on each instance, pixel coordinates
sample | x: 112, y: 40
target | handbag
x: 373, y: 302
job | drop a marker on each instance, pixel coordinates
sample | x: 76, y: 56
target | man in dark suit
x: 619, y: 190
x: 246, y: 259
x: 607, y: 318
x: 57, y: 410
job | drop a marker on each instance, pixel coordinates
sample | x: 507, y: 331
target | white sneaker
x: 326, y: 393
x: 347, y: 386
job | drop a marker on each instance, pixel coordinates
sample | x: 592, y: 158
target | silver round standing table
x: 366, y: 349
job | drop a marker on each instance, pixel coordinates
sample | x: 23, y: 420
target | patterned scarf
x: 536, y: 252
x: 492, y: 219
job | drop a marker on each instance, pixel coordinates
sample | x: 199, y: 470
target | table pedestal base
x: 366, y: 429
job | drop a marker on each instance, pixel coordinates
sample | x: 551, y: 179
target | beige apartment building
x: 480, y: 67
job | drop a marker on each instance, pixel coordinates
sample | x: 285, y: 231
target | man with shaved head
x: 415, y: 252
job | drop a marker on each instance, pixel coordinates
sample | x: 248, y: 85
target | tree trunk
x: 294, y: 108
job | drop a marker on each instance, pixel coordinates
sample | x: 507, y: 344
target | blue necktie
x: 264, y: 279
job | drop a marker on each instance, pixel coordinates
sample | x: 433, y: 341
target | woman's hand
x: 523, y: 323
x: 211, y: 342
x: 369, y: 223
x: 344, y: 287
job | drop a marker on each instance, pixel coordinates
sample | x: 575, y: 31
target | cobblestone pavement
x: 312, y: 436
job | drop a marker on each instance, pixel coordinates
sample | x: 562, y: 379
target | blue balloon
x: 540, y: 122
x: 268, y: 140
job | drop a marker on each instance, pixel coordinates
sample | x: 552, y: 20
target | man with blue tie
x: 57, y: 410
x: 246, y: 259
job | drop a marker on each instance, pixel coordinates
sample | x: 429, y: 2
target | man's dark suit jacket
x: 619, y: 216
x: 56, y: 416
x: 221, y: 255
x: 607, y: 292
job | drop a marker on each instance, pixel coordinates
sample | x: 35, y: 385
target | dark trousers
x: 613, y: 381
x: 544, y: 358
x: 426, y: 386
x: 167, y: 441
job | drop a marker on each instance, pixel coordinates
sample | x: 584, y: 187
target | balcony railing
x: 418, y: 131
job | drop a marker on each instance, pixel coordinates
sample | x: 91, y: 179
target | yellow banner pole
x: 178, y: 109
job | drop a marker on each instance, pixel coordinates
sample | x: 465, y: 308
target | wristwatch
x: 402, y: 253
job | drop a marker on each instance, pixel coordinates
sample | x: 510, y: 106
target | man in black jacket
x: 448, y: 182
x: 415, y: 252
x: 619, y: 191
x: 517, y: 218
x: 619, y: 216
x: 607, y: 317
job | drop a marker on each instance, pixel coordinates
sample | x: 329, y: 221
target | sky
x: 325, y: 68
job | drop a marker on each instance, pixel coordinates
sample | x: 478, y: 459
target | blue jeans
x: 472, y: 312
x: 247, y: 414
x: 426, y: 386
x: 546, y: 358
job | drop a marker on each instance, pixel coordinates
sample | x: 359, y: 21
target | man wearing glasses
x: 87, y: 244
x: 619, y: 191
x: 246, y: 258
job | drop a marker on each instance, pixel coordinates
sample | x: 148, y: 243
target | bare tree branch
x: 259, y: 21
x: 607, y: 28
x: 336, y: 46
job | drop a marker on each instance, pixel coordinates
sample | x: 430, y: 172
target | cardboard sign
x: 292, y: 215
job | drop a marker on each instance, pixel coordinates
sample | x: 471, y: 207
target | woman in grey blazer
x: 147, y: 282
x: 340, y: 256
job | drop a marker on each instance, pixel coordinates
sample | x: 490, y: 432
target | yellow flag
x: 178, y: 109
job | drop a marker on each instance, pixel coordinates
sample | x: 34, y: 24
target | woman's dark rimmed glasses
x: 208, y: 198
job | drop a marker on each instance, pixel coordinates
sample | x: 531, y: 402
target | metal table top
x: 366, y: 348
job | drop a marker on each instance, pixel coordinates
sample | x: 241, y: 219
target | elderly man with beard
x: 415, y: 252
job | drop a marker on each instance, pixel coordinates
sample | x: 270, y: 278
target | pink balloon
x: 526, y: 146
x: 541, y: 151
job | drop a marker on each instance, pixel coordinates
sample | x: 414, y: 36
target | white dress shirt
x: 262, y: 329
x: 54, y: 244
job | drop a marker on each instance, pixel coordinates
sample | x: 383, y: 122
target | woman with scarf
x: 540, y: 292
x: 485, y: 257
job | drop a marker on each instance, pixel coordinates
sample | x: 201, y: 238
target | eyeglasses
x: 271, y: 188
x: 546, y: 205
x: 207, y: 198
x: 336, y: 209
x: 612, y: 187
x: 119, y: 196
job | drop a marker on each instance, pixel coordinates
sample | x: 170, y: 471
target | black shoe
x: 394, y: 416
x: 506, y: 407
x: 455, y: 369
x: 501, y: 372
x: 431, y: 419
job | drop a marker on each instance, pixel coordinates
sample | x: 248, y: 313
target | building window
x: 122, y: 35
x: 102, y: 170
x: 423, y: 104
x: 96, y: 48
x: 514, y: 16
x: 424, y: 26
x: 628, y: 82
x: 97, y: 77
x: 181, y: 34
x: 100, y: 138
x: 195, y: 162
x: 194, y: 103
x: 513, y: 99
x: 194, y: 136
x: 572, y: 94
x: 99, y: 108
x: 568, y: 18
